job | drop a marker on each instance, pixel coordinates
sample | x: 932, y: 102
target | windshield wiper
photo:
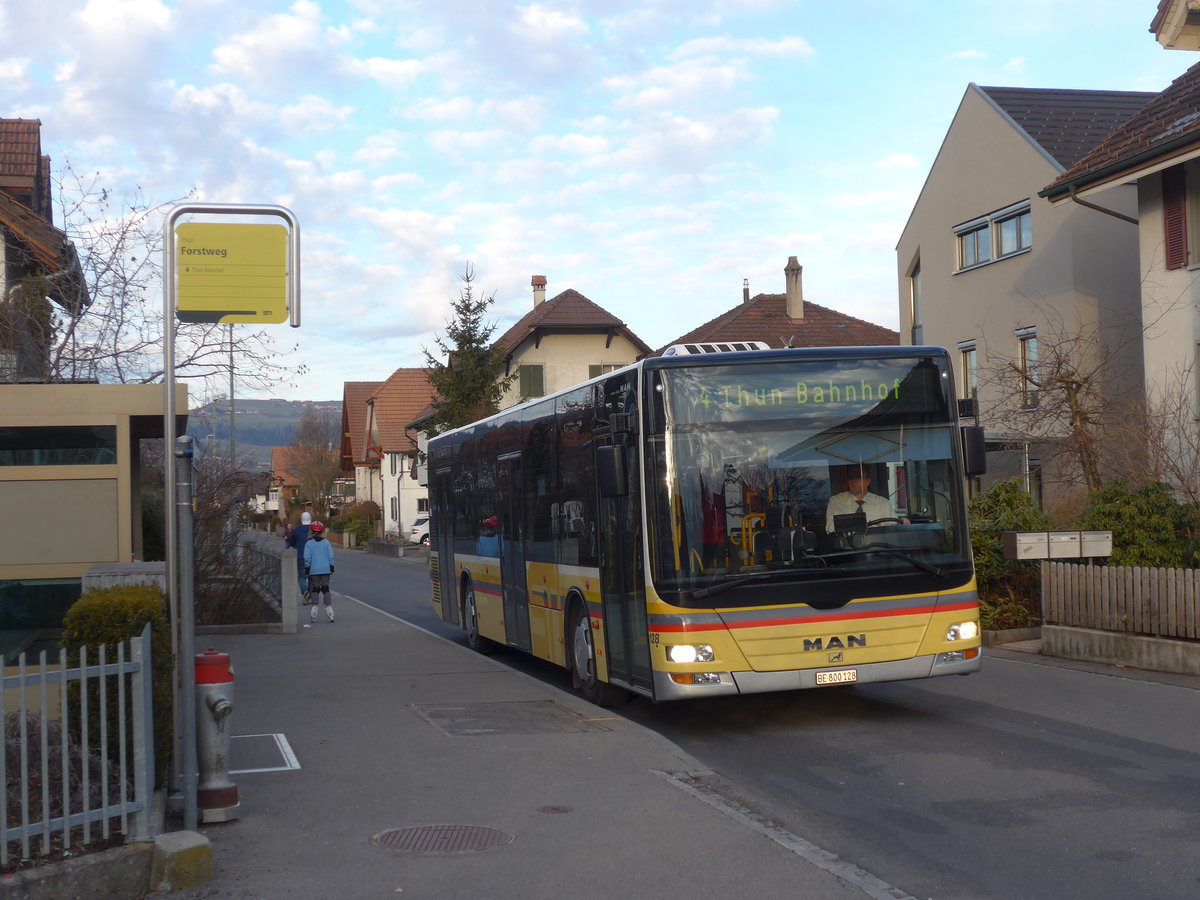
x: 922, y: 564
x: 739, y: 580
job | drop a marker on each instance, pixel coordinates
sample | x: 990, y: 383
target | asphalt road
x: 1031, y: 779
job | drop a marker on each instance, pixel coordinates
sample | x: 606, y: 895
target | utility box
x: 1026, y: 545
x: 1095, y: 543
x: 1064, y: 545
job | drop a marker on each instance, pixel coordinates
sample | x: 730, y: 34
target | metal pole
x: 170, y: 548
x: 187, y: 622
x: 232, y: 423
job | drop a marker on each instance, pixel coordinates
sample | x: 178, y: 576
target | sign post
x: 213, y: 272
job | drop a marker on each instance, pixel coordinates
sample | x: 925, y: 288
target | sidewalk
x: 394, y: 728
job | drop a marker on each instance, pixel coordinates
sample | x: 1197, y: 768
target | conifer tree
x: 469, y: 385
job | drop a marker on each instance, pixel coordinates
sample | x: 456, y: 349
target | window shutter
x: 1175, y: 217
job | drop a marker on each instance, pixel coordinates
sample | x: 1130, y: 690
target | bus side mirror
x: 610, y: 471
x: 974, y: 451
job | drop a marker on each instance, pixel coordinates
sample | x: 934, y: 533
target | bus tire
x: 470, y: 620
x: 583, y: 663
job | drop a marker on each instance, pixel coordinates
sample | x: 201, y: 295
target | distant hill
x: 259, y: 425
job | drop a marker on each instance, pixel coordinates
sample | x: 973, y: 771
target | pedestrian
x: 297, y: 539
x: 318, y: 566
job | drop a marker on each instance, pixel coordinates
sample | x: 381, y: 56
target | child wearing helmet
x: 318, y: 566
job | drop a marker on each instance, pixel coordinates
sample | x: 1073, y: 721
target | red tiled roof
x: 1167, y: 126
x: 281, y: 467
x: 394, y: 405
x: 568, y: 313
x: 20, y: 148
x: 764, y: 318
x: 355, y: 395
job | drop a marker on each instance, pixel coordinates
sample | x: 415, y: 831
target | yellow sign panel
x: 231, y: 273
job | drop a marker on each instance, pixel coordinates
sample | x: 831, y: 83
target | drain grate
x: 442, y: 838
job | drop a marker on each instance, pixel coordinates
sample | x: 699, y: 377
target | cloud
x: 670, y: 87
x: 756, y: 47
x: 313, y: 115
x: 282, y: 49
x: 543, y: 24
x: 968, y: 54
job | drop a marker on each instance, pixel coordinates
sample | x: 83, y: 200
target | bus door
x: 511, y: 510
x: 622, y: 580
x: 441, y: 528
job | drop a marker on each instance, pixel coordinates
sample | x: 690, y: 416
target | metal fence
x: 67, y: 778
x: 1128, y: 599
x: 272, y: 571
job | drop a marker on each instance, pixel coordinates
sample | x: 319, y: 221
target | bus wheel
x: 583, y: 664
x: 475, y: 640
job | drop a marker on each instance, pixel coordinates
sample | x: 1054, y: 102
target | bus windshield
x: 822, y: 475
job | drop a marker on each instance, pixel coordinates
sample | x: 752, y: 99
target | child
x: 318, y: 566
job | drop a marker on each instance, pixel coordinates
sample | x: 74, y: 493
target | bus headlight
x: 690, y: 653
x: 963, y: 631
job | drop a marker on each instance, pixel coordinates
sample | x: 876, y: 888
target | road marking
x: 823, y: 859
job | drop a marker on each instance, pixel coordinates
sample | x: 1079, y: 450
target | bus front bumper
x: 665, y: 688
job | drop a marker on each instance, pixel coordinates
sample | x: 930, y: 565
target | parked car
x: 420, y: 531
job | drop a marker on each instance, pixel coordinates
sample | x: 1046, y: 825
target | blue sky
x: 650, y: 155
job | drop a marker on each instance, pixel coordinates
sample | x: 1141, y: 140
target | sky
x: 650, y: 154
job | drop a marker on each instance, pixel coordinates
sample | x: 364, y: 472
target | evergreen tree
x: 469, y: 385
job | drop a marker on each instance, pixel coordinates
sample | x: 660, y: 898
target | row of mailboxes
x: 1057, y: 544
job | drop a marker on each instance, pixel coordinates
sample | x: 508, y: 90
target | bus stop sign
x: 231, y: 273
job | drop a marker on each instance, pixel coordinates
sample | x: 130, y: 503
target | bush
x: 109, y: 616
x: 1149, y: 526
x: 1005, y: 586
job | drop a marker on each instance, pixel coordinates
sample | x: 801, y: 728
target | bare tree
x: 1160, y: 439
x: 118, y: 337
x: 1069, y: 397
x: 313, y: 457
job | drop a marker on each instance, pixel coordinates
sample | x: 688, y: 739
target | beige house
x: 355, y: 463
x: 1156, y: 156
x: 562, y: 342
x: 69, y: 465
x: 1001, y: 276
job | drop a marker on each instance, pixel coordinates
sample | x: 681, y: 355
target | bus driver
x: 857, y: 498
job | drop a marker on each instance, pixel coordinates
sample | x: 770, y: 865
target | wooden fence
x: 1127, y: 599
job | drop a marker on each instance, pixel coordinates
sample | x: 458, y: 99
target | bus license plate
x: 841, y: 676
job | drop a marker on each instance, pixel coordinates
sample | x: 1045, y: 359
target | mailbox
x: 1064, y: 545
x: 1025, y: 545
x: 1095, y: 543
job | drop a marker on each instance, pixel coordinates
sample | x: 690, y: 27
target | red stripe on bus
x: 796, y: 620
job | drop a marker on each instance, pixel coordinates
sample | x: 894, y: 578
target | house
x: 35, y: 257
x: 562, y: 342
x: 393, y: 447
x: 70, y: 462
x: 787, y: 320
x: 1155, y: 155
x: 353, y: 452
x: 285, y: 481
x: 1002, y: 277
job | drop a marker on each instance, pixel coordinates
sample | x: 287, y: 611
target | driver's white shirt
x: 874, y: 506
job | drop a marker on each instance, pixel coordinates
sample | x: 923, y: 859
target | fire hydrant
x: 216, y: 795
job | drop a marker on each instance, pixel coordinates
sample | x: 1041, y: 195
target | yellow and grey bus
x: 671, y: 529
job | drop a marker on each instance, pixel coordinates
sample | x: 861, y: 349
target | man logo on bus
x: 835, y: 643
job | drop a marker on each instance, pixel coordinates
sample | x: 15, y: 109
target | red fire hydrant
x: 216, y: 795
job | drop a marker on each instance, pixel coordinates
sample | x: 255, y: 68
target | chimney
x: 745, y: 290
x: 795, y: 288
x: 539, y: 289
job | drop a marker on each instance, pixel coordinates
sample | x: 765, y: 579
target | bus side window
x: 610, y: 471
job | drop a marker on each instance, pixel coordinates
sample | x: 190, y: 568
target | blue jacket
x: 318, y: 557
x: 298, y: 538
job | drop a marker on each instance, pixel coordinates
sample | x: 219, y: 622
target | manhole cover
x: 442, y: 838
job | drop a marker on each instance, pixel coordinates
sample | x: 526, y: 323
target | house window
x: 602, y: 369
x: 1027, y: 365
x: 975, y: 246
x: 1015, y: 232
x: 392, y: 457
x: 914, y: 299
x: 395, y: 508
x: 969, y: 376
x: 1002, y: 233
x: 58, y: 445
x: 532, y: 381
x: 423, y: 505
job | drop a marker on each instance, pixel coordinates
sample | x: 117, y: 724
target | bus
x: 662, y: 530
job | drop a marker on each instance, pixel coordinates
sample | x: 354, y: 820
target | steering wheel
x: 895, y: 519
